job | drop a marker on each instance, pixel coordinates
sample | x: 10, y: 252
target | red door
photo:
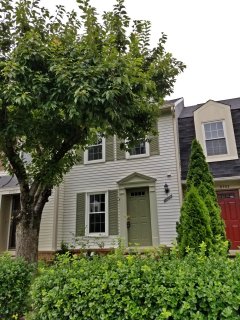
x: 230, y: 204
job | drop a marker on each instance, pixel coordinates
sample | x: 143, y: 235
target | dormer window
x: 215, y: 139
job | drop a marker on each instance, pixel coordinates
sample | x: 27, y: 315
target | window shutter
x: 154, y: 143
x: 80, y: 215
x: 113, y: 212
x: 120, y: 153
x: 110, y: 148
x: 80, y: 153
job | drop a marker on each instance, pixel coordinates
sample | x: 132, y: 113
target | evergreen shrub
x: 139, y: 288
x: 15, y: 281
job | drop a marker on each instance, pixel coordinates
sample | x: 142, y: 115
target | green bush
x: 201, y: 178
x: 15, y: 281
x: 195, y: 223
x: 137, y: 288
x: 200, y: 209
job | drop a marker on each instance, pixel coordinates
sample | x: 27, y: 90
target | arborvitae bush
x: 198, y: 170
x: 195, y: 223
x: 201, y: 179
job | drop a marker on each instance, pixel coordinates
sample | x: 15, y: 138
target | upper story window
x: 95, y: 152
x: 214, y: 130
x: 97, y: 214
x: 215, y: 139
x: 141, y: 149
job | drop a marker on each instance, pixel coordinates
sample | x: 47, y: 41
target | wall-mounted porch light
x: 166, y: 188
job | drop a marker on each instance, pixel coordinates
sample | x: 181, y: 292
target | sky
x: 204, y: 34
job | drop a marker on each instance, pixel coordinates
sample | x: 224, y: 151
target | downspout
x: 177, y: 154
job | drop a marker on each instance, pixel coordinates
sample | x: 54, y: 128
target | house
x: 109, y: 195
x: 216, y: 125
x: 134, y: 196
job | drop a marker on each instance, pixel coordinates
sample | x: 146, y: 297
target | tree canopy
x: 66, y: 77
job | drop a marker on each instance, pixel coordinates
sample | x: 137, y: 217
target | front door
x: 139, y: 219
x: 230, y: 205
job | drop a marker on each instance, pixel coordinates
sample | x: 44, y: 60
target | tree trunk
x: 27, y: 236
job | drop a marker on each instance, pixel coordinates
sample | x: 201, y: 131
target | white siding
x: 46, y: 229
x: 104, y: 176
x: 60, y: 216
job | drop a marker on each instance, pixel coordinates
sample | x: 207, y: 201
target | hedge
x: 133, y: 287
x: 15, y: 281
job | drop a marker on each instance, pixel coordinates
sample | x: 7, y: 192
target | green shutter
x: 110, y: 148
x: 154, y: 143
x: 80, y: 215
x: 113, y: 212
x: 80, y: 153
x: 120, y: 153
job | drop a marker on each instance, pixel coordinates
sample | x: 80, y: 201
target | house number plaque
x: 168, y: 198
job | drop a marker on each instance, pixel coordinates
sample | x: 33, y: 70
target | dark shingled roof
x: 173, y: 101
x: 8, y: 182
x: 188, y: 111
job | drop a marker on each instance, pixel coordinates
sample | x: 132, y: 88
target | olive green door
x: 139, y: 219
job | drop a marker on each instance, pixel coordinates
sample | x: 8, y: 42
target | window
x: 215, y: 138
x: 141, y: 149
x: 95, y: 152
x: 97, y: 214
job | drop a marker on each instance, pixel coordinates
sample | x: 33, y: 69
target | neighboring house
x: 10, y: 203
x: 216, y: 125
x: 110, y: 195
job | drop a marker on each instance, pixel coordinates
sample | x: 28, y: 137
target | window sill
x: 221, y: 158
x: 96, y: 235
x: 94, y: 161
x: 137, y: 156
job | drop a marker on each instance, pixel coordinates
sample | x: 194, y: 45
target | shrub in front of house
x: 139, y: 288
x: 200, y: 218
x: 15, y: 281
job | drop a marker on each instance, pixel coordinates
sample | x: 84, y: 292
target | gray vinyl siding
x: 46, y: 228
x: 60, y: 216
x: 104, y: 176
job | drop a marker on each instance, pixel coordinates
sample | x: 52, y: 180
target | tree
x: 200, y: 180
x: 200, y: 176
x: 194, y: 227
x: 63, y: 79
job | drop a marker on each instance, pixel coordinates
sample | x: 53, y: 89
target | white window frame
x: 86, y: 161
x: 136, y: 156
x: 225, y: 137
x: 87, y: 216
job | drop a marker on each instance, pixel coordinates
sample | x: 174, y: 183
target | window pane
x: 95, y: 152
x: 97, y: 222
x: 139, y: 148
x: 208, y: 135
x: 216, y: 147
x: 207, y: 127
x: 214, y: 134
x: 220, y: 133
x: 219, y: 125
x: 213, y: 126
